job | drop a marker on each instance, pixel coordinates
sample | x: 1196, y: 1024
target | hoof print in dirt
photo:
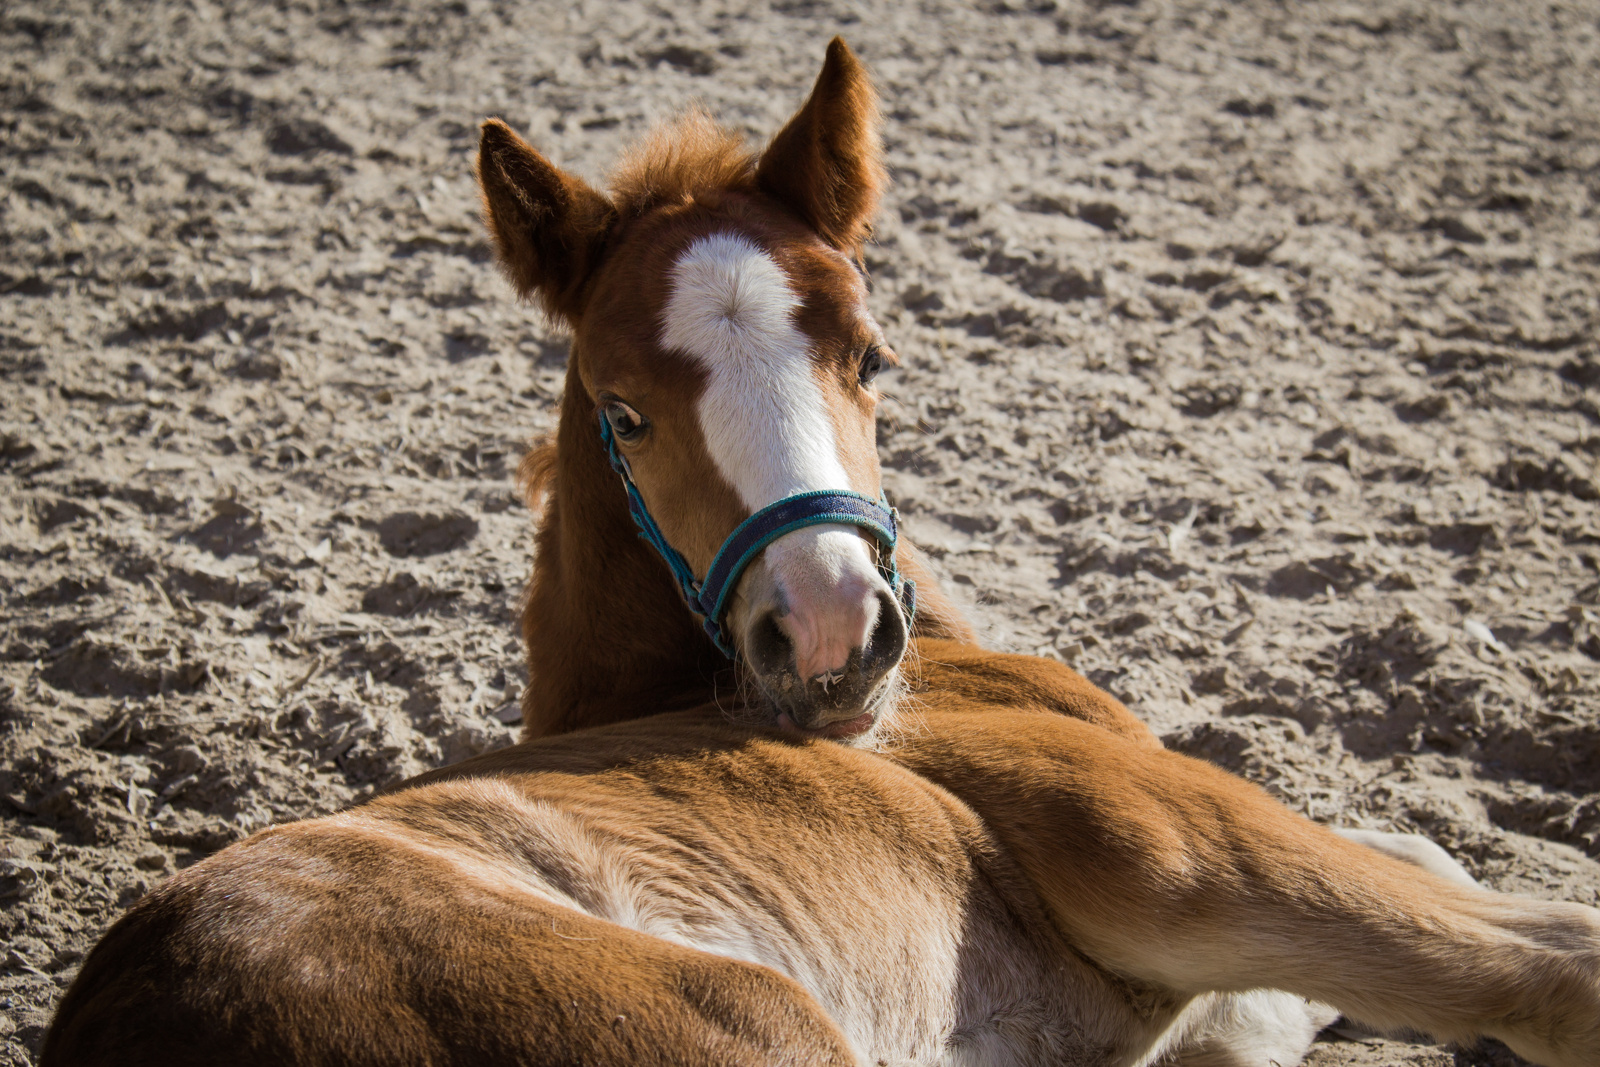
x: 92, y: 669
x: 1303, y: 580
x: 304, y: 137
x: 1224, y: 744
x: 1583, y: 372
x: 19, y: 880
x: 231, y: 528
x: 1557, y: 474
x: 465, y: 345
x: 59, y: 512
x: 1210, y: 681
x: 412, y: 533
x: 1203, y: 400
x: 1424, y: 409
x: 1408, y: 645
x: 404, y: 595
x: 1456, y: 228
x: 258, y: 367
x: 1464, y: 538
x: 163, y: 323
x: 14, y: 448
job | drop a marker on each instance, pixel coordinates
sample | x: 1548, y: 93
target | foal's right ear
x: 549, y: 227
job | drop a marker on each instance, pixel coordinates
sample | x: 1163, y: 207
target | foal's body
x: 1005, y: 887
x: 599, y: 898
x: 1016, y: 873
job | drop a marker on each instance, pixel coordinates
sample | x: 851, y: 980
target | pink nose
x: 832, y: 634
x: 826, y: 626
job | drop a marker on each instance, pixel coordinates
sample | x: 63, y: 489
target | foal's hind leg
x: 1257, y: 1028
x: 1169, y: 871
x: 1269, y: 1026
x: 352, y: 942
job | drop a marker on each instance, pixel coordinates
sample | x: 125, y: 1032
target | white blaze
x: 767, y: 427
x: 762, y: 413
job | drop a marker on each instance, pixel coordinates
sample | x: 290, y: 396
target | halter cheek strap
x: 709, y: 598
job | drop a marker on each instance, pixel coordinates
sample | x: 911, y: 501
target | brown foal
x: 1023, y: 877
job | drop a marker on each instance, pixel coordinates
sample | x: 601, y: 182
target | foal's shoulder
x: 956, y: 676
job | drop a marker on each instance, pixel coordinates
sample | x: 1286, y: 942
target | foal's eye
x: 627, y: 424
x: 871, y: 364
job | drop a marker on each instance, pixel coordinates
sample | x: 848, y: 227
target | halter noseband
x: 709, y: 598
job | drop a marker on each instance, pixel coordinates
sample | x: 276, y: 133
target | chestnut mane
x: 688, y: 156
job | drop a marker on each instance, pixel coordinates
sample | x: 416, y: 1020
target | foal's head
x: 720, y: 328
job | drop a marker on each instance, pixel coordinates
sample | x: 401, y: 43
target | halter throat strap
x: 709, y: 598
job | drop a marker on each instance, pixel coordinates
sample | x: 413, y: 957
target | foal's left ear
x: 827, y: 163
x: 549, y: 227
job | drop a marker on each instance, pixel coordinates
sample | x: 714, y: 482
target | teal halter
x: 709, y: 598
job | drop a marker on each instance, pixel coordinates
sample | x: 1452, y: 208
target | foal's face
x: 734, y: 356
x: 721, y: 327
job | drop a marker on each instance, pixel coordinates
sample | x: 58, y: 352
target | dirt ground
x: 1249, y: 367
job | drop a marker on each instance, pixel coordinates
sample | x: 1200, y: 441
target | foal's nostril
x: 887, y: 642
x: 849, y: 691
x: 768, y: 648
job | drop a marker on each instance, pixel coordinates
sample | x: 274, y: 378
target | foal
x: 722, y: 336
x: 1026, y: 878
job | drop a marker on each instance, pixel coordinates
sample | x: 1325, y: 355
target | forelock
x: 675, y: 162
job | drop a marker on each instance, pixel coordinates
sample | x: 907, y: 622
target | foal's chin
x: 864, y: 724
x: 776, y: 701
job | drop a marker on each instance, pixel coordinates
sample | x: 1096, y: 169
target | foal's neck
x: 607, y: 632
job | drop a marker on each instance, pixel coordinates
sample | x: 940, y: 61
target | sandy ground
x: 1249, y: 367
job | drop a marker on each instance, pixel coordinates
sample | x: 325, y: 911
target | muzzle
x: 709, y: 598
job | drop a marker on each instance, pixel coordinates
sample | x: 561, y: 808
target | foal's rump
x: 731, y: 899
x: 332, y: 942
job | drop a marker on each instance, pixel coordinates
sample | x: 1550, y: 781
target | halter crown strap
x: 795, y: 512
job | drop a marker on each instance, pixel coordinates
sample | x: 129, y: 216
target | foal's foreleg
x: 1168, y: 870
